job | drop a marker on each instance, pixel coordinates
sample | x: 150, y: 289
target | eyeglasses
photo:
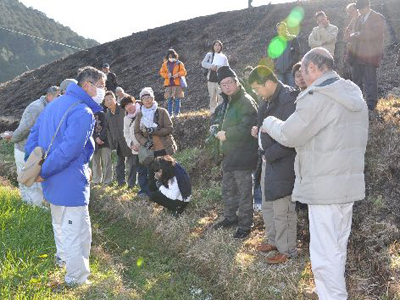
x: 147, y: 98
x: 100, y: 87
x: 226, y: 84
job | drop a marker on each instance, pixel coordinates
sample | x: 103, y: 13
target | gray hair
x: 53, y: 90
x: 320, y: 57
x: 119, y: 89
x: 89, y: 74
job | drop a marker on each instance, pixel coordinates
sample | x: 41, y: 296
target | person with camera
x: 153, y: 130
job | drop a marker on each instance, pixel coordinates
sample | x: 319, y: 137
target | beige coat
x: 329, y: 130
x: 162, y: 137
x: 324, y: 37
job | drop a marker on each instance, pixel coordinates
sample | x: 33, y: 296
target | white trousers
x: 73, y: 238
x: 330, y: 227
x: 32, y: 194
x: 215, y: 98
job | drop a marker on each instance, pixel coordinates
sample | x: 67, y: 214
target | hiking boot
x: 264, y: 247
x: 277, y: 259
x: 241, y: 234
x: 225, y: 223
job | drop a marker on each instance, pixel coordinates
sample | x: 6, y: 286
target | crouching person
x: 67, y: 125
x: 173, y: 182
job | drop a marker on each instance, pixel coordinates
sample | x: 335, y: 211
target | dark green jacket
x: 240, y: 148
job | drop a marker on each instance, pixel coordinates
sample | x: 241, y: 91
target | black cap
x: 360, y: 4
x: 106, y: 65
x: 225, y: 72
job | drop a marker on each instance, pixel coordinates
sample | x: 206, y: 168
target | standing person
x: 115, y: 127
x: 33, y: 194
x: 120, y: 93
x: 353, y: 14
x: 111, y: 83
x: 153, y: 130
x: 132, y: 108
x: 65, y: 173
x: 173, y: 71
x: 212, y: 61
x: 65, y: 83
x: 324, y: 35
x: 279, y: 212
x: 173, y: 183
x: 291, y: 55
x: 329, y: 130
x: 101, y: 165
x: 298, y: 77
x: 240, y: 154
x: 368, y: 49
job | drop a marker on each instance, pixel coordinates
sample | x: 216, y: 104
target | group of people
x: 305, y: 125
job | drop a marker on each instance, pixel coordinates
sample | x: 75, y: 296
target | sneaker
x: 241, y: 234
x: 225, y: 223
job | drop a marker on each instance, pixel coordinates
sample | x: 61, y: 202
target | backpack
x: 183, y: 179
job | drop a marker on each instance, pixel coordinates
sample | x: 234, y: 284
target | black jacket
x: 240, y: 148
x: 279, y: 171
x: 100, y: 130
x: 111, y: 83
x: 115, y: 129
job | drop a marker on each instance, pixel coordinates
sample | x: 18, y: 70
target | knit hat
x: 65, y: 83
x: 106, y: 66
x: 147, y: 91
x: 360, y: 4
x: 224, y: 72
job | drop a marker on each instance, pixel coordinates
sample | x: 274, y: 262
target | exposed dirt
x: 136, y: 59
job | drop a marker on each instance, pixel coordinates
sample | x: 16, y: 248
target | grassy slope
x: 141, y: 252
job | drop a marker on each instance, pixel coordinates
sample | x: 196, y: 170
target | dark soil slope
x: 136, y: 59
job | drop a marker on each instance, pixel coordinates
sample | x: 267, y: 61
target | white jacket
x: 329, y: 130
x: 324, y: 37
x: 129, y: 133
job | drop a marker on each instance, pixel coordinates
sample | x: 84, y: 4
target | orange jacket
x: 179, y: 69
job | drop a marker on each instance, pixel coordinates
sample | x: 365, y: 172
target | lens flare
x: 140, y: 261
x: 277, y: 47
x: 295, y: 17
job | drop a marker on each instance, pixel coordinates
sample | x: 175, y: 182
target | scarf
x: 137, y: 108
x: 148, y: 116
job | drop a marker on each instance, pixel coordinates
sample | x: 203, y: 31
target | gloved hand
x: 148, y: 144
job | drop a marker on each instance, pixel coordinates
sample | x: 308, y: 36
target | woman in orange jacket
x: 173, y: 71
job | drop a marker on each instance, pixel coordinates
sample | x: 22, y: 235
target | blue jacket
x: 66, y: 169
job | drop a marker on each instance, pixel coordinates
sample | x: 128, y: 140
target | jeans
x: 177, y: 109
x: 141, y: 176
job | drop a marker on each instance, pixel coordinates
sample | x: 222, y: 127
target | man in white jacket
x: 324, y: 35
x: 329, y: 130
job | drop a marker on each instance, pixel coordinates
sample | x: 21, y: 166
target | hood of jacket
x: 76, y: 91
x: 344, y: 92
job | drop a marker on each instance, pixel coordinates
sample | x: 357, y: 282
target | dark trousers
x: 365, y: 77
x: 120, y: 170
x: 172, y: 205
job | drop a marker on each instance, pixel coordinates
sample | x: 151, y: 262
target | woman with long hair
x: 213, y: 61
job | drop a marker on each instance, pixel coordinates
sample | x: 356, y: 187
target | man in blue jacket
x: 65, y: 173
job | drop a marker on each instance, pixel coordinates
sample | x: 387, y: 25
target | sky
x: 109, y: 20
